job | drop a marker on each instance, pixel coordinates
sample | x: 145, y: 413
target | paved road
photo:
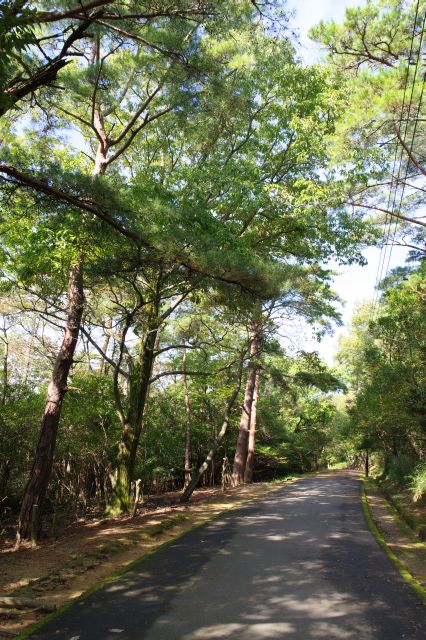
x: 300, y: 564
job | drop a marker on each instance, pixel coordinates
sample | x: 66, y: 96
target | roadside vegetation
x: 383, y: 359
x: 174, y: 185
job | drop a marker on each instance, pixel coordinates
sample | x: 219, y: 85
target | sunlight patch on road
x: 251, y: 631
x: 332, y: 606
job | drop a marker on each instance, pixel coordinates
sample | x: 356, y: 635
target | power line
x: 388, y: 218
x: 393, y: 189
x: 411, y: 144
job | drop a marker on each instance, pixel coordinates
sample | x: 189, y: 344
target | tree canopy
x: 174, y: 184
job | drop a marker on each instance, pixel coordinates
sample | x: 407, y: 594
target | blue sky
x: 354, y: 284
x: 308, y: 12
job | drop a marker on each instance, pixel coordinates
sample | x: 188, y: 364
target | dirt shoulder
x: 414, y: 513
x: 88, y: 553
x: 408, y: 549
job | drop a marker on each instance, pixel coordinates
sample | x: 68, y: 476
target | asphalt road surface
x: 300, y: 564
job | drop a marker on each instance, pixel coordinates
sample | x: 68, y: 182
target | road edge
x: 26, y: 633
x: 417, y: 530
x: 401, y: 568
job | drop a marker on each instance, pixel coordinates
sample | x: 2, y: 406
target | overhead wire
x: 404, y: 184
x: 388, y: 217
x: 413, y: 137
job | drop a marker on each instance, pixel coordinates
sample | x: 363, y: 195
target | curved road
x: 300, y: 564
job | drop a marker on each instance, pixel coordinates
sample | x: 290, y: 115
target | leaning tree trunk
x: 241, y: 450
x: 35, y: 490
x: 248, y: 473
x: 38, y: 481
x: 203, y: 468
x: 187, y: 459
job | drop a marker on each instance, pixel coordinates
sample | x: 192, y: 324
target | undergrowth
x: 417, y: 483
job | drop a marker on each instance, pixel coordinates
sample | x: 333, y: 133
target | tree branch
x: 390, y: 213
x: 179, y: 372
x: 55, y: 16
x: 102, y: 353
x: 410, y: 153
x: 43, y: 187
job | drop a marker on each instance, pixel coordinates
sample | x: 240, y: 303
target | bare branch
x: 135, y: 132
x: 179, y: 372
x: 102, y: 353
x: 410, y: 153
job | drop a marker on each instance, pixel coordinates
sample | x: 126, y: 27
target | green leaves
x: 182, y: 155
x: 377, y: 54
x: 16, y: 36
x: 375, y: 34
x: 386, y: 360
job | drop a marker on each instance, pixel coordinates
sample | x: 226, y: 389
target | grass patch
x: 418, y: 483
x: 338, y: 466
x: 401, y: 500
x: 165, y: 525
x: 284, y: 479
x: 405, y: 574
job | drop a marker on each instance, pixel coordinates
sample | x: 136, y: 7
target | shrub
x: 418, y: 483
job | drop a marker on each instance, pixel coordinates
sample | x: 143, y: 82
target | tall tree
x: 161, y: 80
x: 241, y: 451
x: 377, y: 53
x: 384, y: 363
x: 248, y: 471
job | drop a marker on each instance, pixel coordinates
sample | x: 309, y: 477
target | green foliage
x: 18, y: 433
x: 377, y: 52
x: 90, y: 425
x: 418, y: 483
x: 16, y: 36
x: 384, y: 361
x: 295, y: 418
x: 374, y: 34
x: 188, y: 168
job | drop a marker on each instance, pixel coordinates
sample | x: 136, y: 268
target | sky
x: 308, y: 12
x: 354, y: 284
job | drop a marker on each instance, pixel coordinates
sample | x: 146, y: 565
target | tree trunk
x: 248, y: 473
x: 102, y: 367
x: 241, y: 450
x: 35, y: 490
x: 38, y: 481
x: 5, y: 366
x: 5, y: 477
x: 203, y: 468
x: 121, y: 499
x: 9, y: 602
x: 187, y: 461
x: 148, y: 359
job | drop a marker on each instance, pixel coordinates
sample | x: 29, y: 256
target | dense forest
x: 176, y: 190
